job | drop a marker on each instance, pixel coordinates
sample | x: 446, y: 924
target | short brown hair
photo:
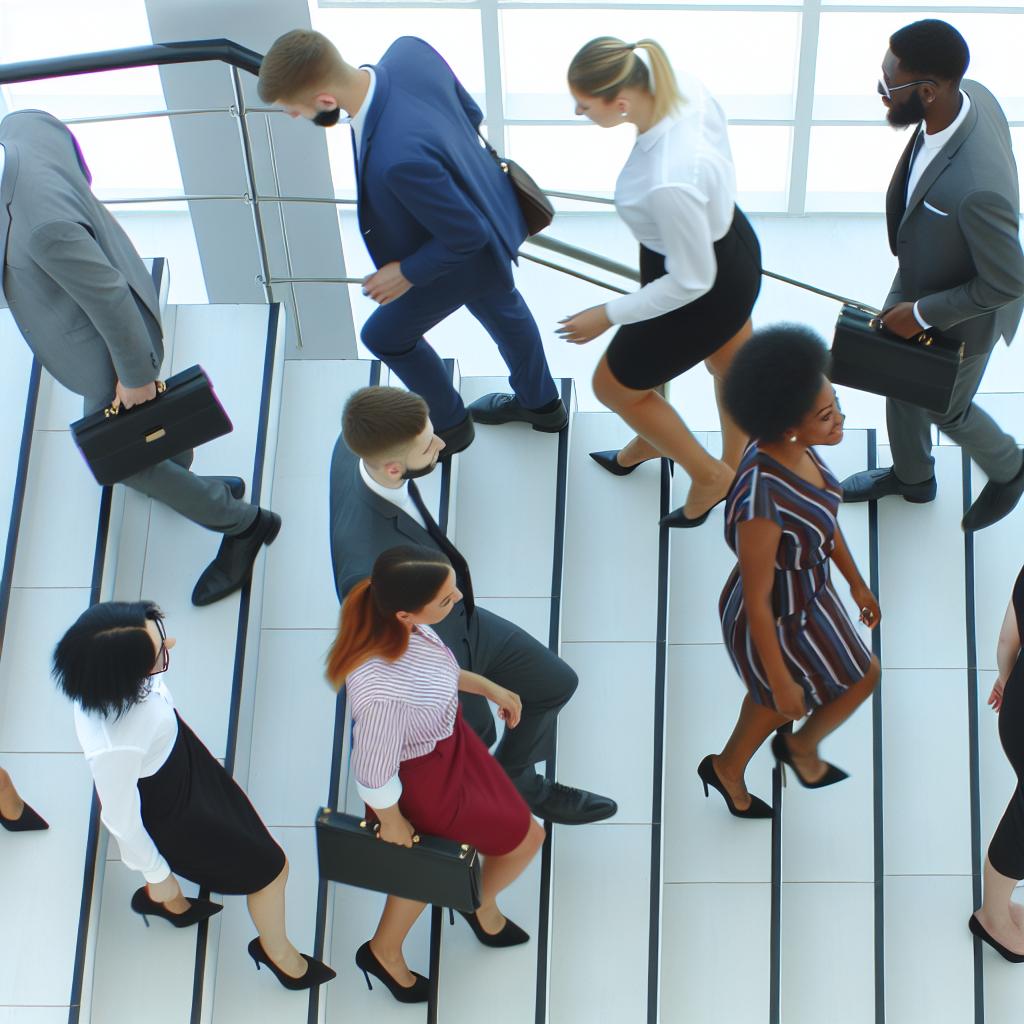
x: 297, y: 63
x: 378, y: 422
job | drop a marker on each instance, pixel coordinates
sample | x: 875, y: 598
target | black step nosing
x: 241, y: 630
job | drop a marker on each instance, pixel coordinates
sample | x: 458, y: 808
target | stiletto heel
x: 200, y: 910
x: 316, y: 972
x: 780, y: 748
x: 707, y: 774
x: 417, y: 992
x: 451, y: 917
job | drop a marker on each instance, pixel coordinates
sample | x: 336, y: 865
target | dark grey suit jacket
x: 958, y: 240
x: 76, y: 287
x: 364, y: 524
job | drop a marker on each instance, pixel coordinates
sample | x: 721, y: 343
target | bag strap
x: 821, y: 291
x: 490, y: 149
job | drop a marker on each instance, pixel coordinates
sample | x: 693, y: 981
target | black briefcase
x: 921, y: 370
x: 438, y: 871
x: 118, y: 442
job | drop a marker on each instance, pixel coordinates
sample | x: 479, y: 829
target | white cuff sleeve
x: 920, y: 319
x: 382, y: 796
x: 690, y: 264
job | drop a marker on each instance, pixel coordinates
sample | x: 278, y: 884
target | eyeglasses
x: 886, y: 90
x: 163, y: 655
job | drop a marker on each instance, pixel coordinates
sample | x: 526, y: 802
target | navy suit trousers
x: 394, y: 333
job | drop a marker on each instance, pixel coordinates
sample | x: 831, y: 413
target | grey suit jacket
x: 363, y: 524
x: 76, y: 287
x: 958, y: 239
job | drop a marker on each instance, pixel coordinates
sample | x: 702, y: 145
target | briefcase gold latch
x: 115, y: 406
x: 156, y: 435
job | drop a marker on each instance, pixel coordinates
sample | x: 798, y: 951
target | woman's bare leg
x: 755, y: 724
x: 663, y: 429
x: 501, y: 872
x: 995, y: 913
x: 734, y: 440
x: 266, y: 908
x: 386, y: 945
x: 11, y: 804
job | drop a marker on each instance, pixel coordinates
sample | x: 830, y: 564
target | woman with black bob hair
x: 166, y: 799
x: 418, y: 766
x: 784, y: 626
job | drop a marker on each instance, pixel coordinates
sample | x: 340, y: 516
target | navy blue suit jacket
x: 430, y: 196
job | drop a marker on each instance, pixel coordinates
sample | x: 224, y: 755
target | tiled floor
x: 664, y: 912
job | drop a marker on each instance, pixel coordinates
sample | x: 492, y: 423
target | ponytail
x: 606, y: 66
x: 363, y: 633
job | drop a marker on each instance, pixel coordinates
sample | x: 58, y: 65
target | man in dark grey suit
x: 87, y: 307
x: 388, y: 440
x: 953, y: 213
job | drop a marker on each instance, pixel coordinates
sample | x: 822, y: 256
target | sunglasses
x: 163, y: 655
x: 886, y: 90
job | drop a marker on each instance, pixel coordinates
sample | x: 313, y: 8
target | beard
x: 328, y: 118
x: 911, y: 111
x: 415, y: 474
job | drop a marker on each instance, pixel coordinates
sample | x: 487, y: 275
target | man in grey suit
x: 953, y: 213
x: 387, y: 441
x: 87, y: 306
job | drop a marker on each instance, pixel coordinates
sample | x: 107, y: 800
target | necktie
x: 459, y: 563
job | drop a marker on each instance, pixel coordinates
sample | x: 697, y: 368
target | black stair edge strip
x: 333, y: 800
x: 242, y: 631
x: 657, y: 781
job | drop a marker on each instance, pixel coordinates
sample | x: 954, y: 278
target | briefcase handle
x: 924, y: 338
x: 115, y: 406
x: 376, y: 830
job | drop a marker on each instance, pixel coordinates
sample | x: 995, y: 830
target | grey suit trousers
x: 205, y: 500
x: 979, y: 435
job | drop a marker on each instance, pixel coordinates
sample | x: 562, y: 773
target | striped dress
x: 820, y: 644
x: 411, y: 746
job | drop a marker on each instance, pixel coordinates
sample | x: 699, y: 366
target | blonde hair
x: 606, y: 66
x: 299, y: 62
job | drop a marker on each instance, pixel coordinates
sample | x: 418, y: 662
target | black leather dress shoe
x: 873, y: 484
x: 564, y: 805
x: 499, y: 408
x: 233, y: 564
x: 994, y: 503
x: 458, y: 438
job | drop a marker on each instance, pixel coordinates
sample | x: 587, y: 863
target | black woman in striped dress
x: 785, y: 627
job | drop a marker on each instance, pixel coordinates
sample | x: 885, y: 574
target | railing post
x: 250, y: 184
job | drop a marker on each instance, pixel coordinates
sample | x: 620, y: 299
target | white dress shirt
x: 677, y: 195
x: 928, y: 151
x: 396, y: 495
x: 359, y: 120
x: 120, y: 751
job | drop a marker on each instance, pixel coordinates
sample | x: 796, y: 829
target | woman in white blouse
x: 164, y: 797
x: 418, y: 765
x: 700, y: 262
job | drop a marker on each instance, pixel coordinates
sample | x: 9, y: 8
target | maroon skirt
x: 458, y: 791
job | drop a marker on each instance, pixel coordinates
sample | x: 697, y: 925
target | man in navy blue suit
x: 437, y: 213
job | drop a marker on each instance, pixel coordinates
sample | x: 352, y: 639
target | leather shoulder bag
x: 535, y: 206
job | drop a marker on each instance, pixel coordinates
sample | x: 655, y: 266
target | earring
x: 625, y: 113
x: 792, y: 438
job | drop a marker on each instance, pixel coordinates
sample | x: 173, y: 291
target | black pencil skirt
x: 203, y: 824
x: 652, y: 352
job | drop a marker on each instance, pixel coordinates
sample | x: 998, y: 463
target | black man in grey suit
x: 375, y: 505
x: 87, y: 306
x: 953, y: 213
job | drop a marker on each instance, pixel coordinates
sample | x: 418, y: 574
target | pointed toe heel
x: 368, y: 963
x: 609, y: 460
x: 200, y: 910
x: 28, y: 821
x: 679, y: 520
x: 780, y: 748
x: 709, y: 777
x: 317, y: 973
x: 510, y: 935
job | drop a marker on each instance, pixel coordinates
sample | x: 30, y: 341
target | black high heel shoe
x: 316, y: 972
x: 510, y: 935
x: 780, y: 748
x: 681, y: 521
x: 607, y: 460
x: 27, y: 821
x: 978, y: 929
x: 417, y: 992
x: 757, y: 809
x: 201, y: 910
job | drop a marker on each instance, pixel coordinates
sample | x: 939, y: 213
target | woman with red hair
x: 418, y: 766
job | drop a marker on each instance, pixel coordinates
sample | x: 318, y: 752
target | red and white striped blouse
x: 400, y: 710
